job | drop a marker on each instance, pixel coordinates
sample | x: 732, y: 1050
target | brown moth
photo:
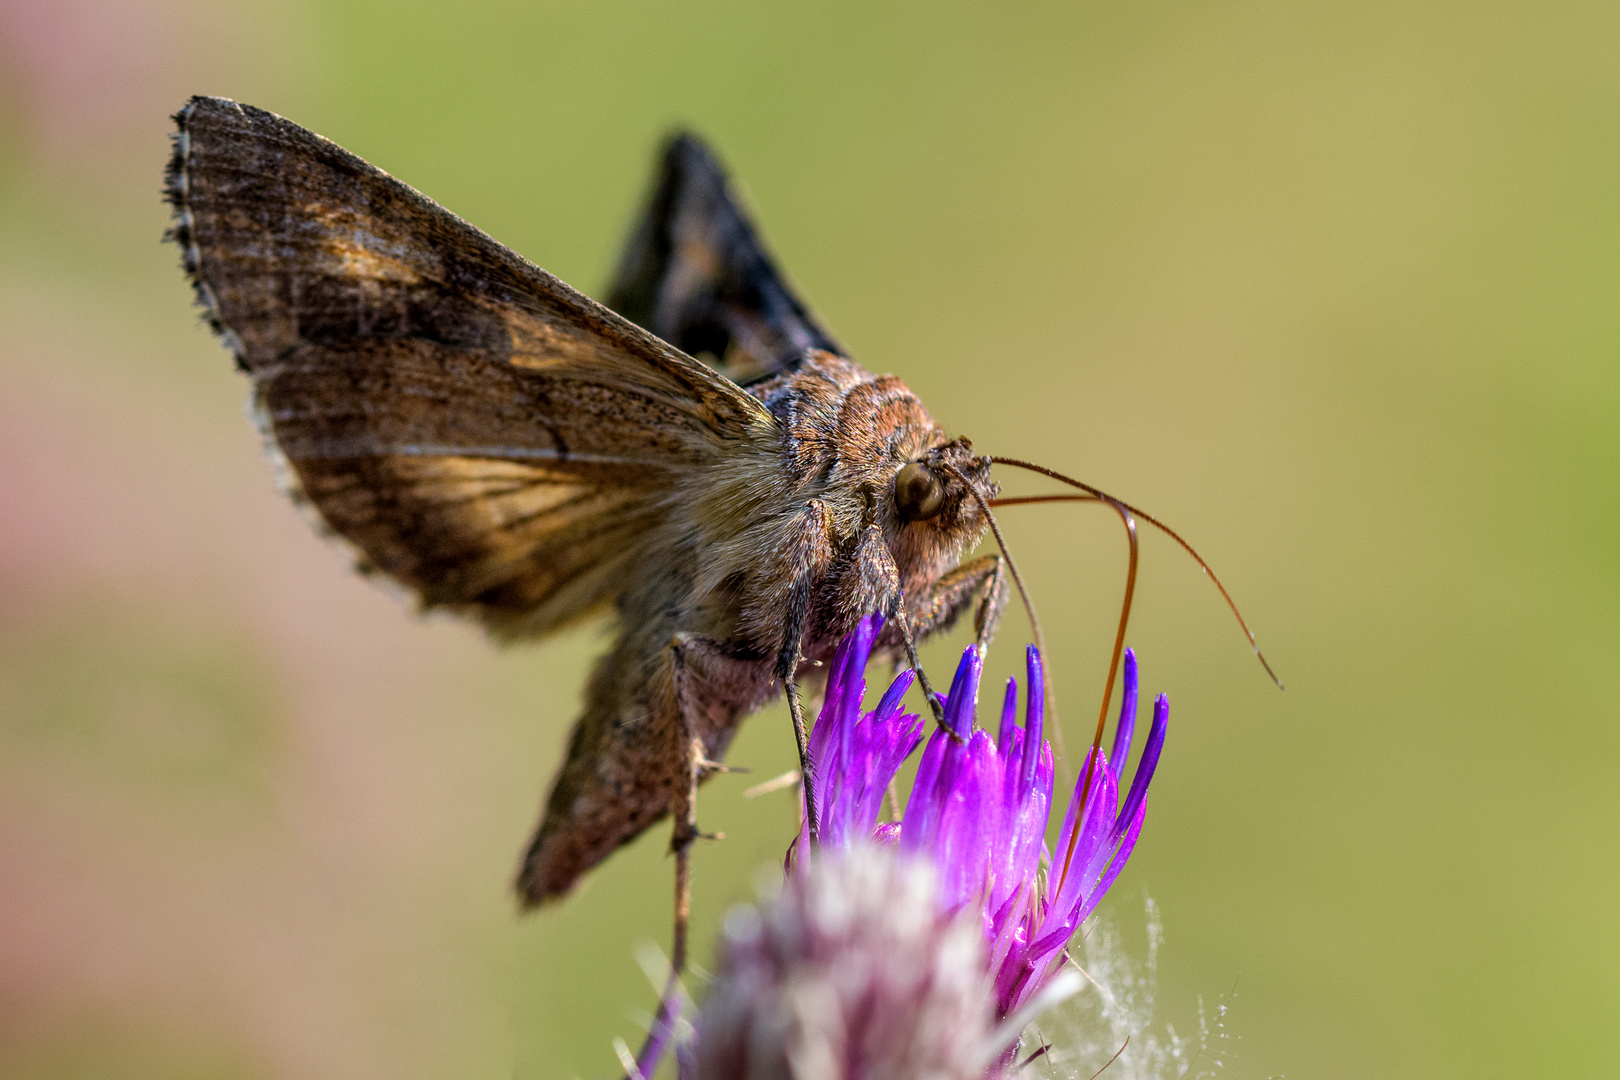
x: 510, y: 450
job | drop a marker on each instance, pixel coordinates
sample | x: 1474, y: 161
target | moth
x: 512, y: 451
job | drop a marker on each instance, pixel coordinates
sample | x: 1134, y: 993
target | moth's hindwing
x: 697, y: 274
x: 482, y: 432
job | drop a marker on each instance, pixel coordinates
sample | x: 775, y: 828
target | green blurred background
x: 1332, y: 288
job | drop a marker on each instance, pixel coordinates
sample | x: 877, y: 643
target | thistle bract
x: 852, y: 973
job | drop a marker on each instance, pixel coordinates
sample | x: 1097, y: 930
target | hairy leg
x: 981, y: 581
x: 686, y: 651
x: 806, y: 550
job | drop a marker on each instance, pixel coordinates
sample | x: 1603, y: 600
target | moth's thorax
x: 844, y: 429
x: 844, y: 434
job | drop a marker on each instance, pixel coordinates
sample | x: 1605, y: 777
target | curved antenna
x: 1108, y: 689
x: 1029, y: 605
x: 1099, y: 494
x: 1027, y: 500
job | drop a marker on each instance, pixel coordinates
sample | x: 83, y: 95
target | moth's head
x: 935, y: 515
x: 891, y: 464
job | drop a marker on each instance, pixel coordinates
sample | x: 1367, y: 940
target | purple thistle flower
x: 978, y: 808
x: 926, y: 952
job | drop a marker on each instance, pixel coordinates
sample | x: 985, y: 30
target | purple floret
x: 979, y: 806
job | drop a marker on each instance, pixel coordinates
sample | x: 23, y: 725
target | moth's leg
x: 689, y: 753
x: 872, y: 581
x: 806, y: 550
x: 807, y: 781
x: 939, y: 606
x: 693, y: 658
x: 692, y: 764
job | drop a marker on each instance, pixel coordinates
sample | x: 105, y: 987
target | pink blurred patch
x: 280, y: 918
x: 85, y: 70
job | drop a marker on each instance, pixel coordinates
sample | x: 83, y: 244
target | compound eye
x: 917, y: 492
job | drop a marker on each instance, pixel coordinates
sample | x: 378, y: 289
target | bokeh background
x: 1332, y: 288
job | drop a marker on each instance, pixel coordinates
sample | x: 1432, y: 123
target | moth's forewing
x: 696, y: 273
x: 485, y: 434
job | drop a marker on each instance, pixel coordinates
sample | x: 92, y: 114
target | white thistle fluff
x: 1118, y: 1004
